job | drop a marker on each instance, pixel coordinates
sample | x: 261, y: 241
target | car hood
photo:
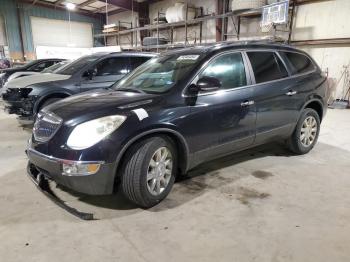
x: 25, y: 81
x: 100, y: 103
x: 13, y: 69
x: 21, y: 73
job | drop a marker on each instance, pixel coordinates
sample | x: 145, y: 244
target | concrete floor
x: 260, y: 205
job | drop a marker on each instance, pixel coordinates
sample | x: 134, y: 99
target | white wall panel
x: 323, y: 20
x: 52, y: 32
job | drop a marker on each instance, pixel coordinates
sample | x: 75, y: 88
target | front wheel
x: 306, y: 132
x: 149, y: 171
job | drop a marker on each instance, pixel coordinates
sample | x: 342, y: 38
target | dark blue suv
x: 176, y: 111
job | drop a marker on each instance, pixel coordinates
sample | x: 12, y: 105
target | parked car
x: 204, y: 103
x: 49, y: 69
x: 4, y: 63
x: 33, y: 66
x: 25, y: 96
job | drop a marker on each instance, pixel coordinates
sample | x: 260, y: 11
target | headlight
x: 90, y: 133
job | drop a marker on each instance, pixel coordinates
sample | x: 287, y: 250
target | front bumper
x: 23, y: 107
x: 101, y: 183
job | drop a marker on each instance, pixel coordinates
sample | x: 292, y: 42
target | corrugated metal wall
x: 9, y: 10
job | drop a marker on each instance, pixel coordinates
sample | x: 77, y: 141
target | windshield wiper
x: 129, y: 89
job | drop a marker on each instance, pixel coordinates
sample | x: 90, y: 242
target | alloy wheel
x: 159, y: 171
x: 308, y: 131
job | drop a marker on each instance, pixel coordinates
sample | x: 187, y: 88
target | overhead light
x: 70, y: 6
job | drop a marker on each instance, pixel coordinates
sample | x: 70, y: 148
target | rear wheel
x: 149, y: 171
x: 306, y: 132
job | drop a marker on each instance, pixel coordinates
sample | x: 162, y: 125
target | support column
x: 219, y: 11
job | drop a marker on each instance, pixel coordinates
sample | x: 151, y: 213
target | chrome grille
x: 46, y: 125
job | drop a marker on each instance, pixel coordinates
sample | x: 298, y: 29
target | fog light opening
x: 80, y: 169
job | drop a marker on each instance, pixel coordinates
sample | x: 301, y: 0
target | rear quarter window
x: 301, y: 63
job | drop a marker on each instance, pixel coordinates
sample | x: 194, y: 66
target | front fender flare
x: 48, y: 95
x: 160, y: 130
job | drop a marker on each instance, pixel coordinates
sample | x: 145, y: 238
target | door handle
x: 291, y: 93
x: 247, y: 103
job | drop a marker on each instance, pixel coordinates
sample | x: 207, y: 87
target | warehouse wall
x: 126, y: 16
x: 322, y: 20
x: 326, y: 20
x: 9, y: 10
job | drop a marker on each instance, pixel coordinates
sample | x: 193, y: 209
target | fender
x: 156, y: 131
x: 48, y: 95
x: 317, y: 99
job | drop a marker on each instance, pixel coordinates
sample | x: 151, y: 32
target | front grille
x: 46, y: 125
x: 16, y: 94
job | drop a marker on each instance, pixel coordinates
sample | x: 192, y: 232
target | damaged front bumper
x: 43, y: 168
x: 101, y: 182
x: 17, y: 101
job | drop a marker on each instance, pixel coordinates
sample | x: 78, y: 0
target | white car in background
x: 50, y: 69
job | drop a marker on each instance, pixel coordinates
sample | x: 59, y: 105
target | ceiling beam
x: 59, y: 2
x: 117, y: 11
x: 87, y: 3
x: 125, y: 4
x: 101, y: 9
x: 53, y: 6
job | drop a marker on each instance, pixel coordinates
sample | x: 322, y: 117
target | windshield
x: 29, y: 64
x: 54, y: 67
x: 77, y: 65
x: 159, y: 74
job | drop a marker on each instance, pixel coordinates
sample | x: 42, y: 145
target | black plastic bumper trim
x: 42, y: 184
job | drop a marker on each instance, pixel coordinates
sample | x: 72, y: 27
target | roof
x: 232, y: 45
x: 124, y: 53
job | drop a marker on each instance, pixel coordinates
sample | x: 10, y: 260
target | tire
x: 297, y: 143
x: 139, y: 174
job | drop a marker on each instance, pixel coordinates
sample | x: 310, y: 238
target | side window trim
x: 277, y: 56
x: 286, y: 62
x: 207, y: 63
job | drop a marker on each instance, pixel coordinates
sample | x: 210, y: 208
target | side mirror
x: 89, y: 74
x: 207, y: 84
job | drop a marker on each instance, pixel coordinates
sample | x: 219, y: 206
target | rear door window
x: 137, y: 61
x: 229, y: 69
x: 267, y: 66
x: 301, y: 63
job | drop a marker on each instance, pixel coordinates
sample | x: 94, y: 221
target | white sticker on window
x: 188, y: 57
x: 141, y: 113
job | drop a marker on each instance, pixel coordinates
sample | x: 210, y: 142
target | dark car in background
x: 25, y: 96
x: 33, y: 66
x: 174, y: 112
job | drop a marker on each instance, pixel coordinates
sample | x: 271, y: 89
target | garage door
x: 51, y: 32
